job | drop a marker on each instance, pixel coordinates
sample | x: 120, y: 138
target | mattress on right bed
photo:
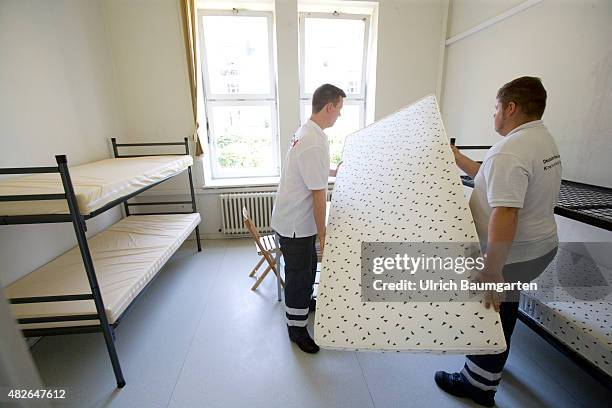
x: 573, y: 303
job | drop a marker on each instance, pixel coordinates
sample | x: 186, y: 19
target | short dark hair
x: 325, y: 94
x: 526, y: 92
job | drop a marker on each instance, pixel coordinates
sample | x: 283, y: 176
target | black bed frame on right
x: 571, y: 208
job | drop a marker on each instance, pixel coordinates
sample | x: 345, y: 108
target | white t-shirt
x: 306, y: 168
x: 521, y: 171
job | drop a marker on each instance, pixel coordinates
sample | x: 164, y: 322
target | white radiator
x: 259, y: 205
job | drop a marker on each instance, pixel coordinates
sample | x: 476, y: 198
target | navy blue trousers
x: 300, y: 258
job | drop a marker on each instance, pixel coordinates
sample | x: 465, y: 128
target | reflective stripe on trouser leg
x: 478, y: 380
x: 296, y: 317
x: 298, y: 255
x: 484, y: 371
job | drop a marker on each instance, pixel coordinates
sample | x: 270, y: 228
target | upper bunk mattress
x: 95, y: 184
x: 126, y: 257
x: 398, y: 184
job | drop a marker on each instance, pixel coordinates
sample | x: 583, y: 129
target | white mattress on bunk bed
x: 95, y: 184
x: 580, y: 316
x: 398, y: 183
x: 582, y: 326
x: 126, y: 257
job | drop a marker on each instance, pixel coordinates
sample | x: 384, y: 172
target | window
x: 240, y: 93
x: 333, y: 49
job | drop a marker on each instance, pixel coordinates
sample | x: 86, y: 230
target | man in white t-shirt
x: 513, y: 201
x: 299, y: 211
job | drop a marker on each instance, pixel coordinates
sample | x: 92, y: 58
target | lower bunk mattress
x: 574, y: 304
x: 126, y: 257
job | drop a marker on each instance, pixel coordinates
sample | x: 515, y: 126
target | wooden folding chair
x: 266, y: 247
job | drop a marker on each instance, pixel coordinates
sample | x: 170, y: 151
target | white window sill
x: 247, y: 182
x: 241, y: 182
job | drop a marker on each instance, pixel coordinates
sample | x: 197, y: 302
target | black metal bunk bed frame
x: 78, y: 221
x: 569, y: 207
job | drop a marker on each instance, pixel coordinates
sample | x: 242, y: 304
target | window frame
x: 347, y: 102
x: 216, y: 171
x: 359, y: 99
x: 302, y: 16
x: 238, y: 99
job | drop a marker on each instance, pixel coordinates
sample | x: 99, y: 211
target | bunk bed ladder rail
x: 192, y: 202
x: 80, y: 227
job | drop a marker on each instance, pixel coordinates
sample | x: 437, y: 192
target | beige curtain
x: 188, y: 17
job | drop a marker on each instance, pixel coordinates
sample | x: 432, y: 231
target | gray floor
x: 200, y: 338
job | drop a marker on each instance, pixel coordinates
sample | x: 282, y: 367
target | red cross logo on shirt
x: 294, y: 141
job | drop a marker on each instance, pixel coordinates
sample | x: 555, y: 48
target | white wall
x: 149, y: 58
x: 409, y: 34
x: 57, y: 96
x: 287, y: 69
x: 466, y: 14
x: 148, y: 54
x: 567, y: 44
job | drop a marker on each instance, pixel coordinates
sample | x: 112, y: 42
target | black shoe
x: 454, y: 384
x: 300, y: 336
x: 313, y: 304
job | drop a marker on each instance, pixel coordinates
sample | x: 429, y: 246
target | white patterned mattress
x: 95, y: 184
x: 398, y: 183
